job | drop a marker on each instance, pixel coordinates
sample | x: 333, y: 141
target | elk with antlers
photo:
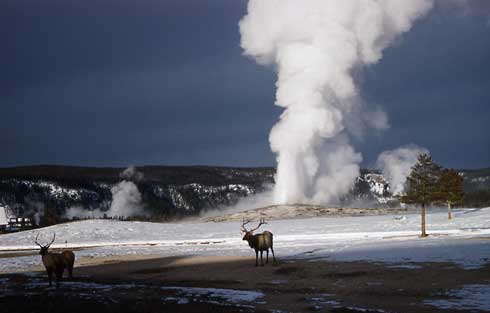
x: 259, y: 242
x: 56, y: 262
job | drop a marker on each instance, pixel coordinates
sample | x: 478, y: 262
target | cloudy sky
x: 164, y: 82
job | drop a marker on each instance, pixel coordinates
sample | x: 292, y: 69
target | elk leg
x: 59, y: 277
x: 256, y: 257
x: 70, y: 272
x: 50, y: 274
x: 267, y: 259
x: 261, y: 258
x: 273, y: 256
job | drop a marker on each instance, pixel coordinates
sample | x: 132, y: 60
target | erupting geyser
x: 315, y: 46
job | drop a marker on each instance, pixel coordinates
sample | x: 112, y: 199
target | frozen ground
x: 107, y: 294
x: 470, y: 297
x: 393, y: 238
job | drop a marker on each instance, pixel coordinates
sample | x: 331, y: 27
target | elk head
x: 44, y: 248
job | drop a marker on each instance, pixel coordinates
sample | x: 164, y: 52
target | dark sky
x: 120, y: 82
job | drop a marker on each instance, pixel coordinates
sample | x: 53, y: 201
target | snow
x: 480, y: 179
x: 180, y: 294
x: 405, y: 266
x: 54, y: 189
x: 357, y: 309
x: 388, y: 238
x: 319, y: 302
x: 470, y: 297
x: 38, y: 283
x: 3, y: 216
x: 377, y: 183
x: 378, y: 186
x: 203, y: 191
x: 229, y: 295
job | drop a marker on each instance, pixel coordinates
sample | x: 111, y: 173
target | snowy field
x: 464, y: 240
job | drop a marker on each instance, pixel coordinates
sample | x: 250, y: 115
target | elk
x: 56, y: 262
x: 259, y: 242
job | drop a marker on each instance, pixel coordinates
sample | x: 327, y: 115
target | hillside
x: 46, y: 193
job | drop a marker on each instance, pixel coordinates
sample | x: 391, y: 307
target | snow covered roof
x: 3, y: 216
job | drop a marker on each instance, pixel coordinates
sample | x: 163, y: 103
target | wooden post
x: 449, y: 210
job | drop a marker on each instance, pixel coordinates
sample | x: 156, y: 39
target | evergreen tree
x: 421, y: 187
x: 450, y: 189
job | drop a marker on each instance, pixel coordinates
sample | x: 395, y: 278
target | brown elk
x: 56, y: 262
x: 259, y: 242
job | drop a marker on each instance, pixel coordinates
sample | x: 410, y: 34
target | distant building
x: 18, y: 223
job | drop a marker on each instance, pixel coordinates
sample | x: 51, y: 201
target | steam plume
x: 126, y: 199
x: 315, y: 46
x: 396, y: 165
x: 131, y: 173
x: 80, y: 212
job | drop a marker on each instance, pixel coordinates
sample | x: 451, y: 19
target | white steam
x: 126, y: 199
x: 36, y: 209
x: 131, y: 173
x: 80, y: 212
x: 315, y: 46
x: 257, y: 200
x: 396, y: 165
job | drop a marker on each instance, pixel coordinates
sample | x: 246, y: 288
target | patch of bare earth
x: 287, y: 286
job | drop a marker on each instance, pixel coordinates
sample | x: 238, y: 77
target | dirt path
x: 292, y: 286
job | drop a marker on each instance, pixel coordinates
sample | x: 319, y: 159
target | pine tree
x: 421, y: 186
x: 450, y: 189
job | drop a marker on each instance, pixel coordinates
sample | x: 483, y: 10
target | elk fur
x: 69, y: 260
x: 259, y: 242
x: 56, y: 262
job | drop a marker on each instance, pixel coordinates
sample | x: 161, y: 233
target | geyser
x: 126, y: 199
x: 315, y: 45
x: 396, y: 165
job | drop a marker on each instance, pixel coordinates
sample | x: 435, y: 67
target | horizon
x: 190, y: 166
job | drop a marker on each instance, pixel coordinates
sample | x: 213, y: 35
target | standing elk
x: 56, y: 262
x: 259, y: 242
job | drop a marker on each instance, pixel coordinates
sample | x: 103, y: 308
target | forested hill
x: 177, y: 175
x: 174, y: 191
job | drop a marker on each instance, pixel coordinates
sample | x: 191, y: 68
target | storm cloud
x: 165, y: 82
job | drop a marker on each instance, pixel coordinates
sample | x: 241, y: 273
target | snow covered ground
x: 464, y: 240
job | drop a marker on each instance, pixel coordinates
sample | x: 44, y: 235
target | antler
x: 244, y: 222
x: 37, y: 243
x: 54, y: 237
x: 262, y: 221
